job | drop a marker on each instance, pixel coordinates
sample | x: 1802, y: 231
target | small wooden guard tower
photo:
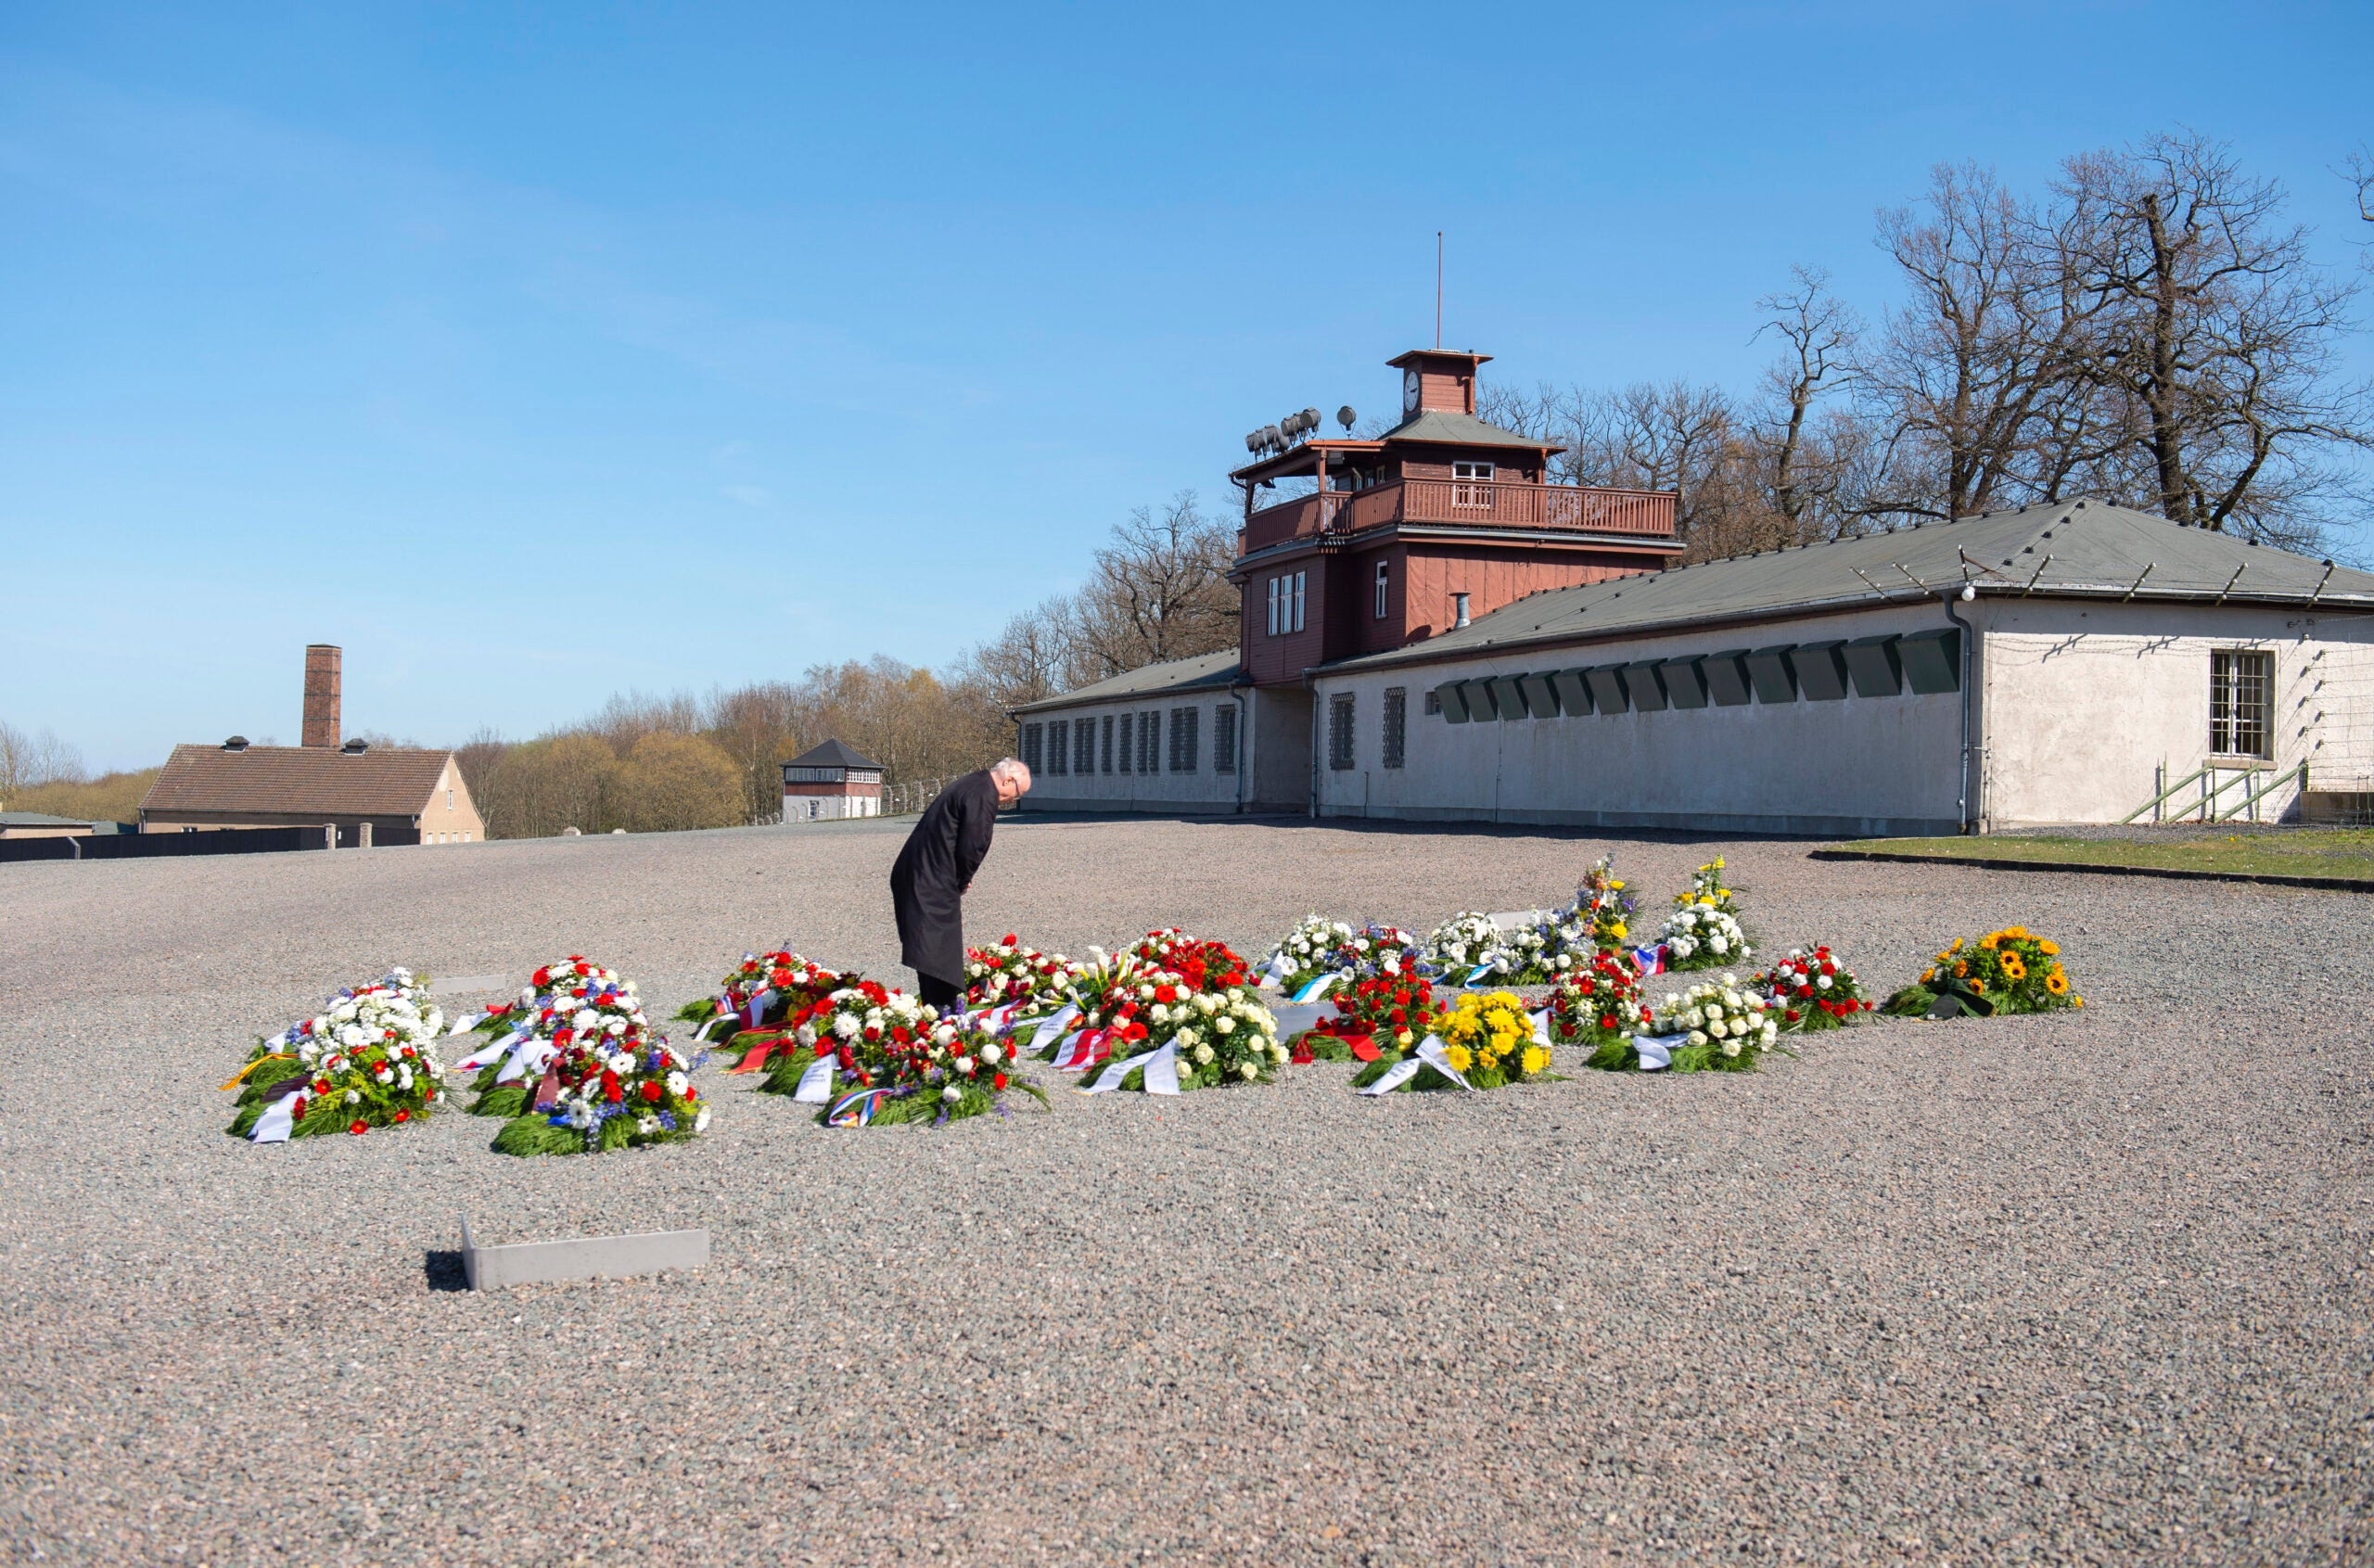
x: 829, y: 781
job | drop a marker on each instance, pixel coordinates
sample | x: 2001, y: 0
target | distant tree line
x: 653, y: 764
x: 40, y: 772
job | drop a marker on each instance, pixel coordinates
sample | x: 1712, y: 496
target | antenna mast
x: 1438, y: 288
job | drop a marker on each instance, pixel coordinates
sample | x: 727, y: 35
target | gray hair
x: 1013, y: 768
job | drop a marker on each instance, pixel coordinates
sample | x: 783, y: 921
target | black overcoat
x: 927, y: 881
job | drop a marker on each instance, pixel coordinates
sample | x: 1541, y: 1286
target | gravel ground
x: 2090, y: 1288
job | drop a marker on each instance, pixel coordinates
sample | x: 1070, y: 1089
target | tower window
x: 1383, y: 587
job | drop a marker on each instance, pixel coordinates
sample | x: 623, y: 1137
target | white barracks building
x: 1483, y: 646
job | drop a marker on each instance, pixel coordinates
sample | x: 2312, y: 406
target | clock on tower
x: 1410, y: 392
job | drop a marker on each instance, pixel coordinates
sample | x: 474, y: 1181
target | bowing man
x: 928, y: 880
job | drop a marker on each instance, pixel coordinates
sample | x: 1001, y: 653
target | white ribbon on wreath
x: 1162, y: 1071
x: 816, y: 1083
x: 1430, y: 1053
x: 1655, y: 1052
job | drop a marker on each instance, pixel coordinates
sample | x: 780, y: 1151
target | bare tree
x: 544, y: 786
x: 2359, y: 171
x: 1962, y: 368
x: 30, y: 761
x: 1160, y: 590
x: 2219, y: 339
x: 476, y: 759
x: 1803, y: 477
x: 1034, y: 657
x: 761, y: 727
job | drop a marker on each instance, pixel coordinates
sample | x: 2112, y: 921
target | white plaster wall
x: 1203, y: 790
x: 1861, y: 765
x: 2083, y: 702
x: 829, y: 808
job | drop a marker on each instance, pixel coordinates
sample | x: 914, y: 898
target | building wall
x: 825, y: 803
x: 1201, y: 790
x: 1286, y: 654
x: 2085, y: 703
x: 451, y: 817
x: 2075, y: 706
x: 1878, y: 765
x: 1493, y: 578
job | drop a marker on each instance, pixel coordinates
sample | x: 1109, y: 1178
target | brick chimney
x: 321, y: 694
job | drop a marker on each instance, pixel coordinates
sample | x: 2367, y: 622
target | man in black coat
x: 928, y: 880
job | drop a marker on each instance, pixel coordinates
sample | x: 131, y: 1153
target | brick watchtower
x: 829, y: 781
x: 1370, y: 545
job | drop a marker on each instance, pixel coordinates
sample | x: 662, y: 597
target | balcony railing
x: 1487, y: 504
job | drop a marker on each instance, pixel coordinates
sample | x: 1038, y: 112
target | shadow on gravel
x: 443, y: 1271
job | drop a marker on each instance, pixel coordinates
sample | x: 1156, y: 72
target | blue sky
x: 535, y: 353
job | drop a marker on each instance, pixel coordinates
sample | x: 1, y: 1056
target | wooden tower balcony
x: 1334, y: 517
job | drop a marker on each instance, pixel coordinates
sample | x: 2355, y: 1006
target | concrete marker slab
x: 584, y: 1257
x: 462, y: 985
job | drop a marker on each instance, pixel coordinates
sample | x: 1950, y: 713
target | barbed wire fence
x: 898, y: 801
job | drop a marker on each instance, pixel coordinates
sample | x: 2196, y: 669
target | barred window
x: 1224, y: 738
x: 1149, y: 742
x: 1033, y: 738
x: 1084, y: 747
x: 1397, y: 723
x: 1184, y: 722
x: 1125, y: 745
x: 2241, y: 703
x: 1059, y: 744
x: 1339, y: 731
x: 1108, y: 728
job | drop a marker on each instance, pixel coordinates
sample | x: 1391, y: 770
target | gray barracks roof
x: 2065, y: 549
x: 1203, y: 672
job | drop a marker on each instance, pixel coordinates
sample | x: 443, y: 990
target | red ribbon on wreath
x: 762, y: 1045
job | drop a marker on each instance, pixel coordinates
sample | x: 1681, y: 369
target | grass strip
x: 2339, y: 858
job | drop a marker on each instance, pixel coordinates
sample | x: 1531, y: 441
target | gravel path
x: 2094, y: 1288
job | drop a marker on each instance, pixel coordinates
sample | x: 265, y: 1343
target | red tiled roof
x: 291, y: 778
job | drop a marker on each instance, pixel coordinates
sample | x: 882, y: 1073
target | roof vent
x: 355, y: 749
x: 237, y: 742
